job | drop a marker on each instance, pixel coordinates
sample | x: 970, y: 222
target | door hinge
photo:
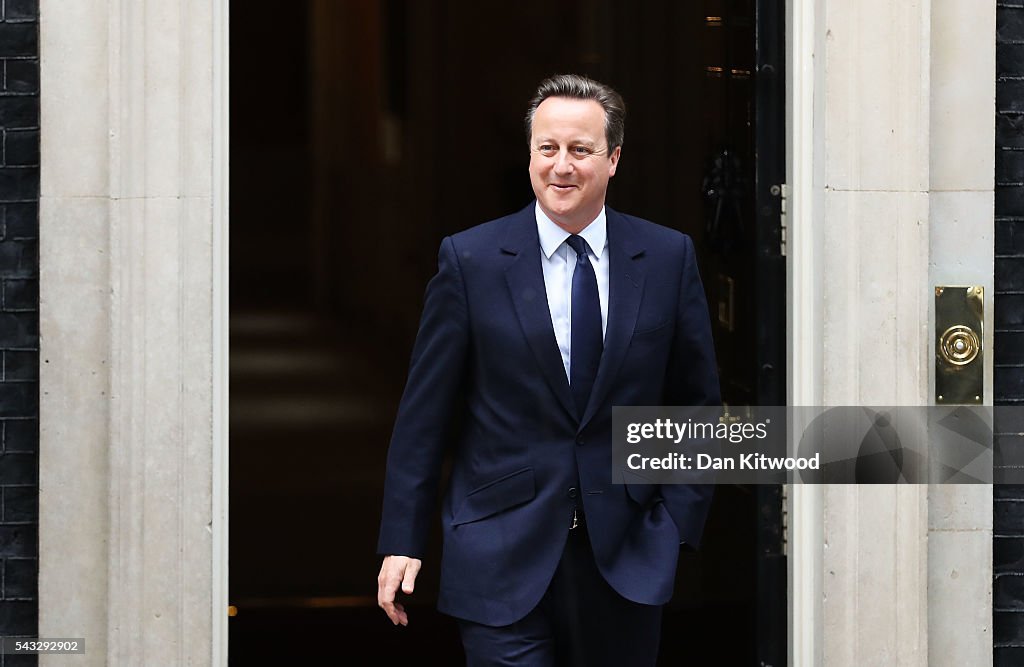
x: 783, y: 192
x: 785, y: 519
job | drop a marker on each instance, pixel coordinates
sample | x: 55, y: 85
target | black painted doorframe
x: 770, y: 269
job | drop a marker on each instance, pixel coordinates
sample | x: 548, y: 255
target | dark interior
x: 363, y: 132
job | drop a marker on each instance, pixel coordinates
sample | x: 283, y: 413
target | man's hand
x: 396, y: 570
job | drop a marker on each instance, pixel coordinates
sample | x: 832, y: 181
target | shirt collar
x: 552, y: 236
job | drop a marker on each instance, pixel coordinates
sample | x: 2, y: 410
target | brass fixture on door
x: 959, y: 349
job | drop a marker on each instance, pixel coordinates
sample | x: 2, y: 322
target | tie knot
x: 579, y: 244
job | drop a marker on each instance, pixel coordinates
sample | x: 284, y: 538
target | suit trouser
x: 581, y: 620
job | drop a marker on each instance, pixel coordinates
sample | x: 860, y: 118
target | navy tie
x: 586, y: 340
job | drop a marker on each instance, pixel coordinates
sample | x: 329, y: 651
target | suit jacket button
x: 579, y: 440
x: 572, y: 491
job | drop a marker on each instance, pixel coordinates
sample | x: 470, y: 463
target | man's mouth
x: 562, y: 186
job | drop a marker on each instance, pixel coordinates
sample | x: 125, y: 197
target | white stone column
x: 891, y: 153
x: 874, y: 218
x: 873, y: 181
x: 961, y: 252
x: 131, y: 448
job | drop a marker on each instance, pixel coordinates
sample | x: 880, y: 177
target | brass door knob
x: 959, y: 345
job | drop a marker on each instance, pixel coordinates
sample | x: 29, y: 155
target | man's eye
x: 581, y: 151
x: 547, y: 149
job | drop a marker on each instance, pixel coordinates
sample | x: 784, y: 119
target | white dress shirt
x: 559, y: 261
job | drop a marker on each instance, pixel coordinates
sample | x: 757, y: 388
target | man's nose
x: 563, y: 165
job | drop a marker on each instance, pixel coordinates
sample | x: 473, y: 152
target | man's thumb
x: 409, y: 582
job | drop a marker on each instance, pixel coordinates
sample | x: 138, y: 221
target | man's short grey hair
x: 581, y: 88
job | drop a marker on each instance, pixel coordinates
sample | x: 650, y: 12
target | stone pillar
x: 131, y: 308
x: 895, y: 161
x: 961, y: 252
x: 874, y: 217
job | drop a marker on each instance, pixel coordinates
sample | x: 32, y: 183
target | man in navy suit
x: 535, y: 325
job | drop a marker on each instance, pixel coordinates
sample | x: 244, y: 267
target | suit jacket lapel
x: 625, y: 288
x: 525, y: 279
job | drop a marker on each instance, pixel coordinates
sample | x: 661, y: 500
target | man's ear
x: 614, y: 158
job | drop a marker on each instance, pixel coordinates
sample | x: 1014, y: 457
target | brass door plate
x: 959, y: 348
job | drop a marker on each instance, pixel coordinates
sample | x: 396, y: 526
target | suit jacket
x: 487, y: 381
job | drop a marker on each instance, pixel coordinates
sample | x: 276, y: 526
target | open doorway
x: 361, y: 134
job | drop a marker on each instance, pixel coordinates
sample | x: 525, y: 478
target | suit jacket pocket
x: 656, y: 332
x: 639, y: 488
x: 496, y: 496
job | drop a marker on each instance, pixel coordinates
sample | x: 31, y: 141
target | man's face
x: 569, y: 160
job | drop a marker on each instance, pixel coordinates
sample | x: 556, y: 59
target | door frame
x: 771, y: 307
x: 805, y: 502
x: 221, y: 325
x: 106, y: 58
x: 802, y: 504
